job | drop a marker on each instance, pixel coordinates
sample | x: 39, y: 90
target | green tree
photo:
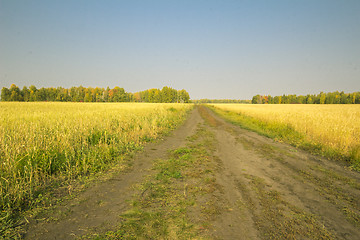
x: 183, y: 96
x: 157, y: 97
x: 154, y: 95
x: 33, y: 93
x: 256, y: 99
x: 87, y: 97
x: 15, y: 93
x: 322, y: 98
x: 166, y: 95
x: 41, y: 94
x: 5, y: 94
x: 309, y: 100
x: 119, y: 95
x: 353, y: 98
x: 25, y: 92
x: 270, y: 99
x: 106, y: 94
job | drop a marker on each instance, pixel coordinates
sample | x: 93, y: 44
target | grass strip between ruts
x: 176, y: 200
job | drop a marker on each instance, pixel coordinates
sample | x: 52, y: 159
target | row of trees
x: 321, y: 98
x: 166, y: 94
x: 82, y: 94
x: 220, y: 101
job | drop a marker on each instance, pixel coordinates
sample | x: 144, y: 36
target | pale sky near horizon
x: 213, y: 49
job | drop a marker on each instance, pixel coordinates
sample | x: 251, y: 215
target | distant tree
x: 5, y: 94
x: 51, y: 94
x: 357, y: 98
x: 144, y: 96
x: 301, y: 100
x: 353, y: 98
x: 154, y: 95
x: 322, y: 98
x: 41, y: 94
x: 119, y: 95
x: 25, y: 93
x: 81, y: 94
x: 137, y: 97
x: 344, y: 98
x: 264, y: 100
x: 183, y: 96
x: 33, y: 96
x: 62, y: 94
x: 276, y: 100
x: 157, y: 97
x: 129, y: 97
x: 256, y: 99
x: 337, y: 98
x: 15, y: 94
x: 309, y: 100
x: 166, y: 96
x: 87, y: 97
x: 98, y: 94
x: 270, y: 99
x: 106, y: 94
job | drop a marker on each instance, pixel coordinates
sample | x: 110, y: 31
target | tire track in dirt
x: 98, y: 208
x: 276, y: 191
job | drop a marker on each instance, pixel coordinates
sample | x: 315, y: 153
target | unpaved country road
x: 99, y: 207
x: 276, y: 191
x: 269, y: 190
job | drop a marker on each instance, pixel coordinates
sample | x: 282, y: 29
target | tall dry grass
x: 337, y: 127
x: 42, y: 143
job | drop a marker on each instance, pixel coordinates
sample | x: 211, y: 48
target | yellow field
x: 45, y: 141
x: 335, y: 126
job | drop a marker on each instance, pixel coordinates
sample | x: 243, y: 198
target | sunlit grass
x: 335, y: 127
x: 42, y: 143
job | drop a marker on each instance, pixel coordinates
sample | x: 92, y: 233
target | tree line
x: 321, y: 98
x: 89, y: 94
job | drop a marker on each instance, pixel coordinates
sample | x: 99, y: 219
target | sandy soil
x: 270, y: 190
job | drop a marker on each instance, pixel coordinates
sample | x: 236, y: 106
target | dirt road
x: 99, y: 207
x: 267, y: 190
x: 277, y: 191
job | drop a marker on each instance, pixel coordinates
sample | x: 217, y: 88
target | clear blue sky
x: 213, y: 49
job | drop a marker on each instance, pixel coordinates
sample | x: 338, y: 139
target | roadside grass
x: 176, y: 201
x: 286, y: 133
x: 336, y: 188
x: 50, y: 150
x: 274, y: 217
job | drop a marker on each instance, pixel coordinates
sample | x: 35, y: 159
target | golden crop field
x: 334, y: 126
x: 44, y: 141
